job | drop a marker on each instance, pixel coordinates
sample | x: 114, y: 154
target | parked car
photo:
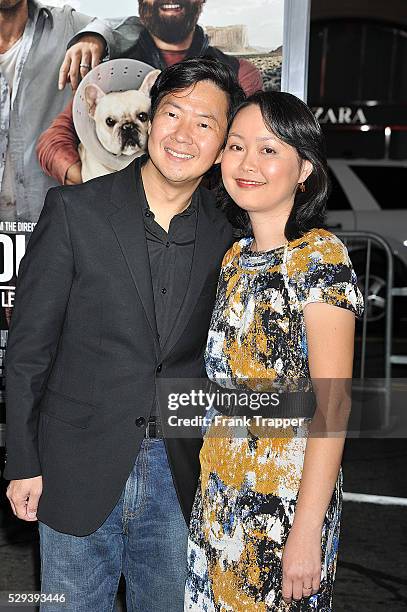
x: 371, y: 195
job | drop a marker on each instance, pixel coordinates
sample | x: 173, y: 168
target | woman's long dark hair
x: 292, y: 122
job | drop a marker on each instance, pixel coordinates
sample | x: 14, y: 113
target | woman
x: 265, y: 522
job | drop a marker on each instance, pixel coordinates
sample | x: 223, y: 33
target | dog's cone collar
x: 114, y: 75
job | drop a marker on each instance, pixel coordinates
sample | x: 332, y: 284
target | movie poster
x: 250, y: 31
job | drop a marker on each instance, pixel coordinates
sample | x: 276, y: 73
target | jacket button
x: 159, y: 368
x: 140, y: 421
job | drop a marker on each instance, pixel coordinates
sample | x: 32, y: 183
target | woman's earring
x: 301, y: 187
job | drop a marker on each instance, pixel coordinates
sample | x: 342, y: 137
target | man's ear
x: 148, y: 82
x: 306, y: 170
x: 219, y: 158
x: 93, y: 95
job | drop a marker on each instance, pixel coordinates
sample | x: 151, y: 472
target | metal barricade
x: 357, y: 241
x: 399, y: 359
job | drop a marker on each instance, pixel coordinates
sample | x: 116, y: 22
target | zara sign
x: 340, y: 115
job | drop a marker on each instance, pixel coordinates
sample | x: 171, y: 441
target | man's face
x: 188, y: 132
x: 170, y: 20
x: 6, y: 5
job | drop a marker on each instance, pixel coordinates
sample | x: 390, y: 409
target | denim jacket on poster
x: 35, y: 100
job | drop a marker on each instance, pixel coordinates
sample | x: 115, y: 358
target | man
x: 119, y: 279
x: 30, y: 36
x: 165, y: 33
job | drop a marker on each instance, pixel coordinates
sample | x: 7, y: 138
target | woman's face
x: 260, y: 172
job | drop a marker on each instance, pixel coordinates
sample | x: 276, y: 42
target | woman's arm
x: 57, y: 147
x: 330, y: 337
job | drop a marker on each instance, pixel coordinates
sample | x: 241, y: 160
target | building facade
x: 357, y: 76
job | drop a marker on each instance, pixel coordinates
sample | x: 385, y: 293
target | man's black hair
x: 187, y: 73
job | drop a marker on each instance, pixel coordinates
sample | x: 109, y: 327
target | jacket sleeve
x: 120, y: 36
x: 57, y: 147
x: 42, y: 293
x: 79, y: 20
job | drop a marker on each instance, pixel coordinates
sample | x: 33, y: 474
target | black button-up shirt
x: 170, y: 257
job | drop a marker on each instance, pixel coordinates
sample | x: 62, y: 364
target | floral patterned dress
x: 246, y: 497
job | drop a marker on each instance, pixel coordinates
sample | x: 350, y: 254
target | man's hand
x: 80, y: 58
x: 24, y: 496
x: 74, y: 174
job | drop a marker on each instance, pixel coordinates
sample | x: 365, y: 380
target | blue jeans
x: 145, y: 538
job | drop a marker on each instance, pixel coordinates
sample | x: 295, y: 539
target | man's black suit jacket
x: 83, y: 354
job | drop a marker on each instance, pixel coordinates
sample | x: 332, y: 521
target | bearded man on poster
x: 163, y: 34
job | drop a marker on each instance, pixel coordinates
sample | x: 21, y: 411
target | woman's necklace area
x: 253, y: 275
x: 260, y: 261
x: 255, y: 251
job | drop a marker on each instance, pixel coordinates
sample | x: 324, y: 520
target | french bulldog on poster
x: 121, y: 124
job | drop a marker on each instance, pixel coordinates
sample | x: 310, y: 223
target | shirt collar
x: 192, y: 208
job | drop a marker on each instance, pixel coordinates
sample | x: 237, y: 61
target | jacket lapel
x: 128, y: 225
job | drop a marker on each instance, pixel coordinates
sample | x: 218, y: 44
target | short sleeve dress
x: 246, y: 498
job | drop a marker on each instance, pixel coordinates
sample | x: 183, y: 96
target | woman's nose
x: 249, y: 162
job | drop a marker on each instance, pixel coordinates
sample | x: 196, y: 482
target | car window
x: 386, y: 184
x: 337, y: 199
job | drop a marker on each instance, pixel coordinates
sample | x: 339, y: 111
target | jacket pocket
x: 67, y: 409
